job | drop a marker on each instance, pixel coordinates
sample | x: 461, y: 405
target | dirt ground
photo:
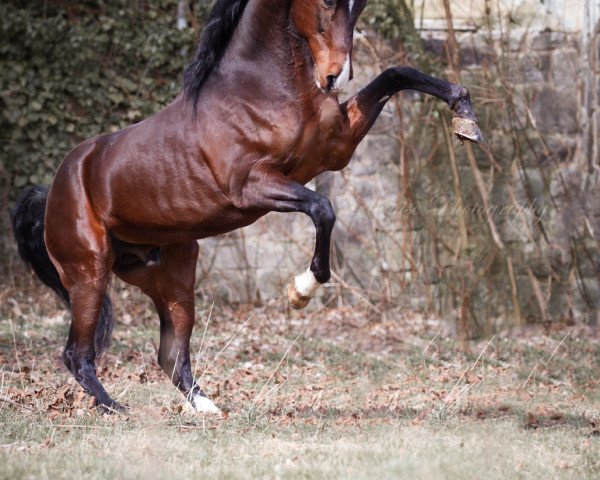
x: 334, y: 392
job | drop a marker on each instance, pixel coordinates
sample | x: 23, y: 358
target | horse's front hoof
x: 466, y: 129
x: 296, y: 300
x: 202, y: 404
x: 301, y: 289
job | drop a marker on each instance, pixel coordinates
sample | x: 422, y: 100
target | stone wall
x: 501, y: 235
x: 543, y: 134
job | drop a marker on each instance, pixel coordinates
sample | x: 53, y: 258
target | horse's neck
x: 265, y: 32
x: 263, y: 13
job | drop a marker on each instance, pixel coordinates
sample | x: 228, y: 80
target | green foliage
x: 392, y: 19
x: 73, y: 72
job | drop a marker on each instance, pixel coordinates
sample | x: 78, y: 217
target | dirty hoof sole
x: 466, y: 129
x: 296, y: 300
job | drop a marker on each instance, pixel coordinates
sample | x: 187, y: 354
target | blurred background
x: 484, y: 238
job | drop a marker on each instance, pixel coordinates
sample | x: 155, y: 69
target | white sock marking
x: 204, y: 405
x: 306, y: 284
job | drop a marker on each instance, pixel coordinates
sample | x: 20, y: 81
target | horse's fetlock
x: 322, y: 276
x: 459, y: 93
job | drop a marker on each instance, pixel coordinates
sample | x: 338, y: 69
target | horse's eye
x: 329, y: 3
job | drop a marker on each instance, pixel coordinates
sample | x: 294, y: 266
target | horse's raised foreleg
x: 363, y: 109
x: 273, y: 191
x: 170, y: 285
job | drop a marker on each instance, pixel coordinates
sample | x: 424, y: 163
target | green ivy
x: 392, y: 19
x: 69, y: 73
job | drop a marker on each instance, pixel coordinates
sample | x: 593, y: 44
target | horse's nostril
x: 331, y: 82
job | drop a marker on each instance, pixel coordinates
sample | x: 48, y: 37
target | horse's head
x: 328, y: 26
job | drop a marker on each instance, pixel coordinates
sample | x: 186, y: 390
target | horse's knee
x: 323, y: 213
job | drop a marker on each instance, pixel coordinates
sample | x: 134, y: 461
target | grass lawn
x: 319, y: 394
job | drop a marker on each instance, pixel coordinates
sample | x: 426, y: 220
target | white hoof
x: 302, y: 289
x: 203, y: 404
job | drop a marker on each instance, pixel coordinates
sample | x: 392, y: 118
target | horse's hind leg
x: 80, y: 250
x: 170, y: 285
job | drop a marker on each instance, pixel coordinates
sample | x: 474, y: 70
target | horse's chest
x: 307, y: 136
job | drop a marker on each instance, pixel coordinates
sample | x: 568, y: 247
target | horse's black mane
x: 218, y: 30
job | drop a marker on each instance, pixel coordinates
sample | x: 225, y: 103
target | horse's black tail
x: 28, y: 226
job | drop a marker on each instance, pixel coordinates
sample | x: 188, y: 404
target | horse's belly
x: 192, y: 224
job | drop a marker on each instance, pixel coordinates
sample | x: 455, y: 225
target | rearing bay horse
x: 258, y: 118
